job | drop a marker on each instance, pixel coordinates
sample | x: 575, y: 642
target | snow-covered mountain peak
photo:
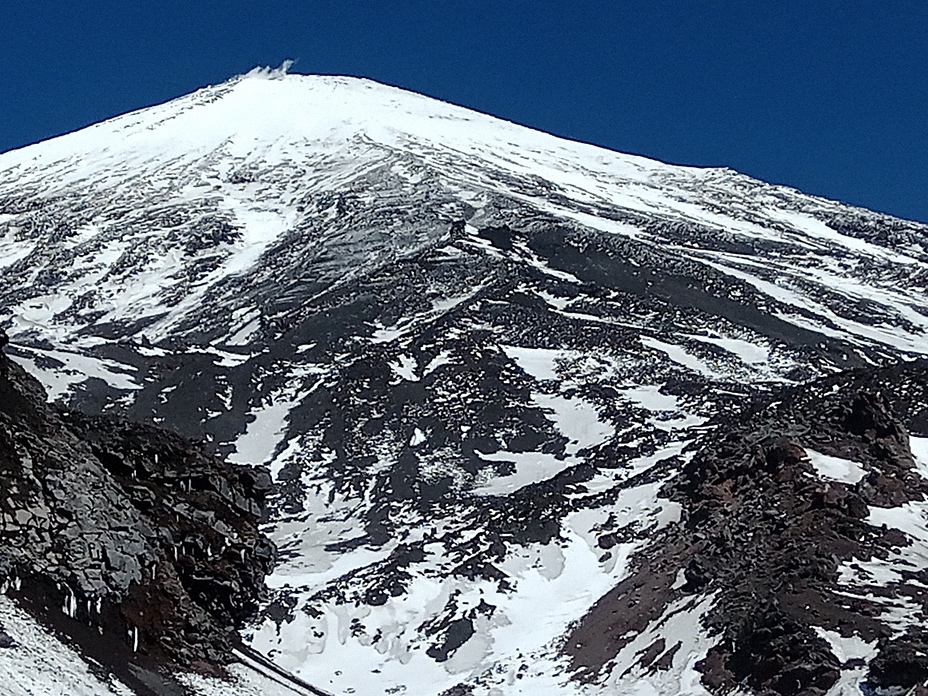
x: 276, y: 117
x: 475, y: 358
x: 244, y: 165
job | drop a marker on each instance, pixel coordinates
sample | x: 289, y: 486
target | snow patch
x: 749, y: 353
x: 578, y: 420
x: 835, y: 468
x: 681, y: 357
x: 76, y: 369
x: 39, y: 664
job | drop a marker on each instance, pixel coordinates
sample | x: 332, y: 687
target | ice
x: 875, y: 571
x: 246, y: 323
x: 329, y: 516
x: 668, y: 414
x: 259, y: 230
x: 849, y: 682
x: 228, y: 359
x: 369, y: 650
x: 537, y: 262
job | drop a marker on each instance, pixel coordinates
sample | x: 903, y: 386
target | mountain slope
x: 477, y: 359
x: 130, y: 542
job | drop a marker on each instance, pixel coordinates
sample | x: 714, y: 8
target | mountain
x: 539, y: 417
x: 138, y: 546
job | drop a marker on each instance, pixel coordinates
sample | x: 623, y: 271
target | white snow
x: 847, y: 648
x: 822, y: 234
x: 530, y: 467
x: 263, y: 433
x: 919, y: 447
x: 77, y: 368
x: 650, y: 398
x: 13, y: 250
x: 835, y: 468
x: 348, y: 645
x: 443, y: 358
x: 898, y: 611
x: 540, y: 363
x: 911, y: 518
x: 41, y: 665
x: 578, y: 420
x: 440, y: 307
x: 405, y: 367
x: 248, y: 679
x: 268, y: 425
x: 749, y: 353
x: 681, y: 356
x: 826, y: 321
x: 326, y: 135
x: 329, y: 131
x: 679, y: 625
x: 605, y: 479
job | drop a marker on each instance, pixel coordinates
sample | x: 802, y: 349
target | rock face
x: 783, y: 527
x: 127, y: 529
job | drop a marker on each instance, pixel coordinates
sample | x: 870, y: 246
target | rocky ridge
x: 789, y: 555
x: 131, y: 540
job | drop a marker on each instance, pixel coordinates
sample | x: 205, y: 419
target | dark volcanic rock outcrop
x: 787, y: 554
x: 128, y: 530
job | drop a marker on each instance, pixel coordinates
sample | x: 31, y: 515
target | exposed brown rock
x: 765, y: 536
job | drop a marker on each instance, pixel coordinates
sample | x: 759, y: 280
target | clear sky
x: 830, y: 97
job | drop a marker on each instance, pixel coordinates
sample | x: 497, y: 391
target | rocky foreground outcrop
x: 130, y: 540
x: 813, y: 575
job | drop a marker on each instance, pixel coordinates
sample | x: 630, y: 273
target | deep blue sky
x: 830, y: 97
